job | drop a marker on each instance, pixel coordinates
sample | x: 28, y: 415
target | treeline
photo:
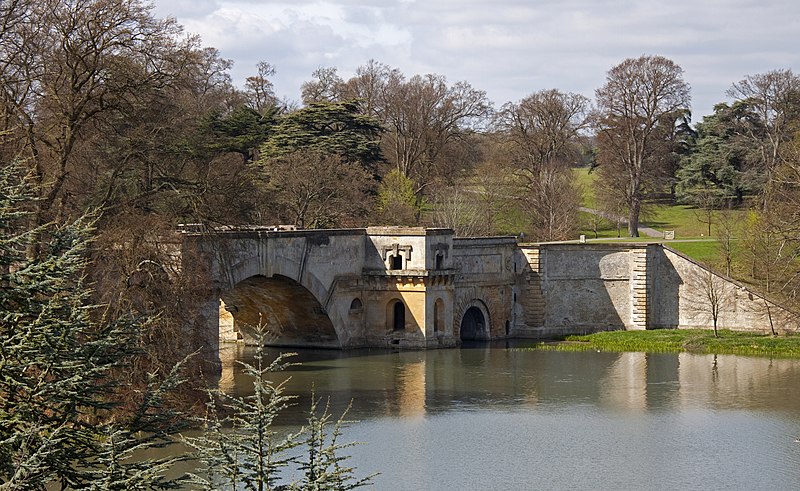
x: 107, y: 110
x: 111, y: 109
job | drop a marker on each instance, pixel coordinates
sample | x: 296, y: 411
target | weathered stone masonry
x: 425, y: 288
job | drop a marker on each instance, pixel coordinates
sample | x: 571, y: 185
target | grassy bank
x: 675, y: 340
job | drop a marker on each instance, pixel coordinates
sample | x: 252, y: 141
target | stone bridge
x: 425, y: 288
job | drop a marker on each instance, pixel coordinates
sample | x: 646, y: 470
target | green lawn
x: 706, y: 252
x: 586, y: 182
x: 687, y: 221
x: 681, y: 340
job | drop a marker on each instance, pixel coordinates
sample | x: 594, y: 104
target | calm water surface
x: 494, y: 417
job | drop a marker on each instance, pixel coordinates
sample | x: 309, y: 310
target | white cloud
x: 509, y: 48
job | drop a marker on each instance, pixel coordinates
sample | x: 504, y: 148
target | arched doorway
x: 396, y: 315
x: 291, y: 313
x: 473, y: 325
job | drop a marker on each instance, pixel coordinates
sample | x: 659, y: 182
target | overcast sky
x: 509, y: 48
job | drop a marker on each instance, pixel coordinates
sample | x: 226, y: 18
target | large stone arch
x: 289, y: 312
x: 465, y: 310
x: 283, y: 274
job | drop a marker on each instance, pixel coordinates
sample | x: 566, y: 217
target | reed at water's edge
x: 679, y: 340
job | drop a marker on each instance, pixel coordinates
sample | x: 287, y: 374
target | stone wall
x: 486, y: 278
x: 419, y: 288
x: 578, y: 288
x: 685, y: 294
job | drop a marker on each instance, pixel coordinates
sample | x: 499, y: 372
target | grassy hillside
x: 688, y: 223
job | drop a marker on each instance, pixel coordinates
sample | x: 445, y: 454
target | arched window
x: 356, y: 305
x: 397, y: 316
x: 397, y: 262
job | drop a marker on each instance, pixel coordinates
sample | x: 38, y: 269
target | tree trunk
x: 633, y: 218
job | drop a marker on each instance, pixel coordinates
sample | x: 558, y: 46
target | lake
x: 497, y: 416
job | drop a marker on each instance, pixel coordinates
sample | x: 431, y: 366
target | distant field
x: 706, y: 252
x: 687, y: 221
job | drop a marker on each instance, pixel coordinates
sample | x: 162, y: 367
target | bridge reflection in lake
x: 497, y: 418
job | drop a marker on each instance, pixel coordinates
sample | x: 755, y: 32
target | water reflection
x: 495, y: 417
x: 416, y: 383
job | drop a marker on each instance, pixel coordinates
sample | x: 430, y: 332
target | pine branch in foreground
x: 58, y: 358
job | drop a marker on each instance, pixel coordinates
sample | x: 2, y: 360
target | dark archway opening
x: 473, y: 325
x: 397, y: 262
x: 399, y: 316
x: 291, y: 313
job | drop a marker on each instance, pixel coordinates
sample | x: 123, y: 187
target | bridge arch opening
x: 474, y: 325
x: 290, y: 312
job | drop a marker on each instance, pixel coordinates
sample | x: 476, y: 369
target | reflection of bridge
x: 425, y: 288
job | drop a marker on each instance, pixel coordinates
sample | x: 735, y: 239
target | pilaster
x: 640, y: 290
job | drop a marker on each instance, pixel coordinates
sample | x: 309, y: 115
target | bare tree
x: 497, y: 192
x: 707, y: 202
x: 73, y: 68
x: 716, y: 298
x: 773, y: 250
x: 541, y: 135
x: 542, y: 128
x: 461, y: 211
x: 709, y: 295
x: 318, y: 190
x: 594, y: 221
x: 727, y: 231
x: 422, y: 117
x: 774, y: 99
x: 372, y: 85
x: 259, y: 89
x: 637, y: 109
x: 327, y: 86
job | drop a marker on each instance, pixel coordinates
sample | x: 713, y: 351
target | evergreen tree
x: 242, y: 131
x: 323, y: 469
x: 243, y: 450
x: 720, y: 164
x: 334, y: 128
x: 58, y: 356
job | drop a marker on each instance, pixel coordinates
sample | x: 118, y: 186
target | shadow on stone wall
x: 587, y: 289
x: 665, y: 302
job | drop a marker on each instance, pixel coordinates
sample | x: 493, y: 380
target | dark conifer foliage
x: 58, y: 356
